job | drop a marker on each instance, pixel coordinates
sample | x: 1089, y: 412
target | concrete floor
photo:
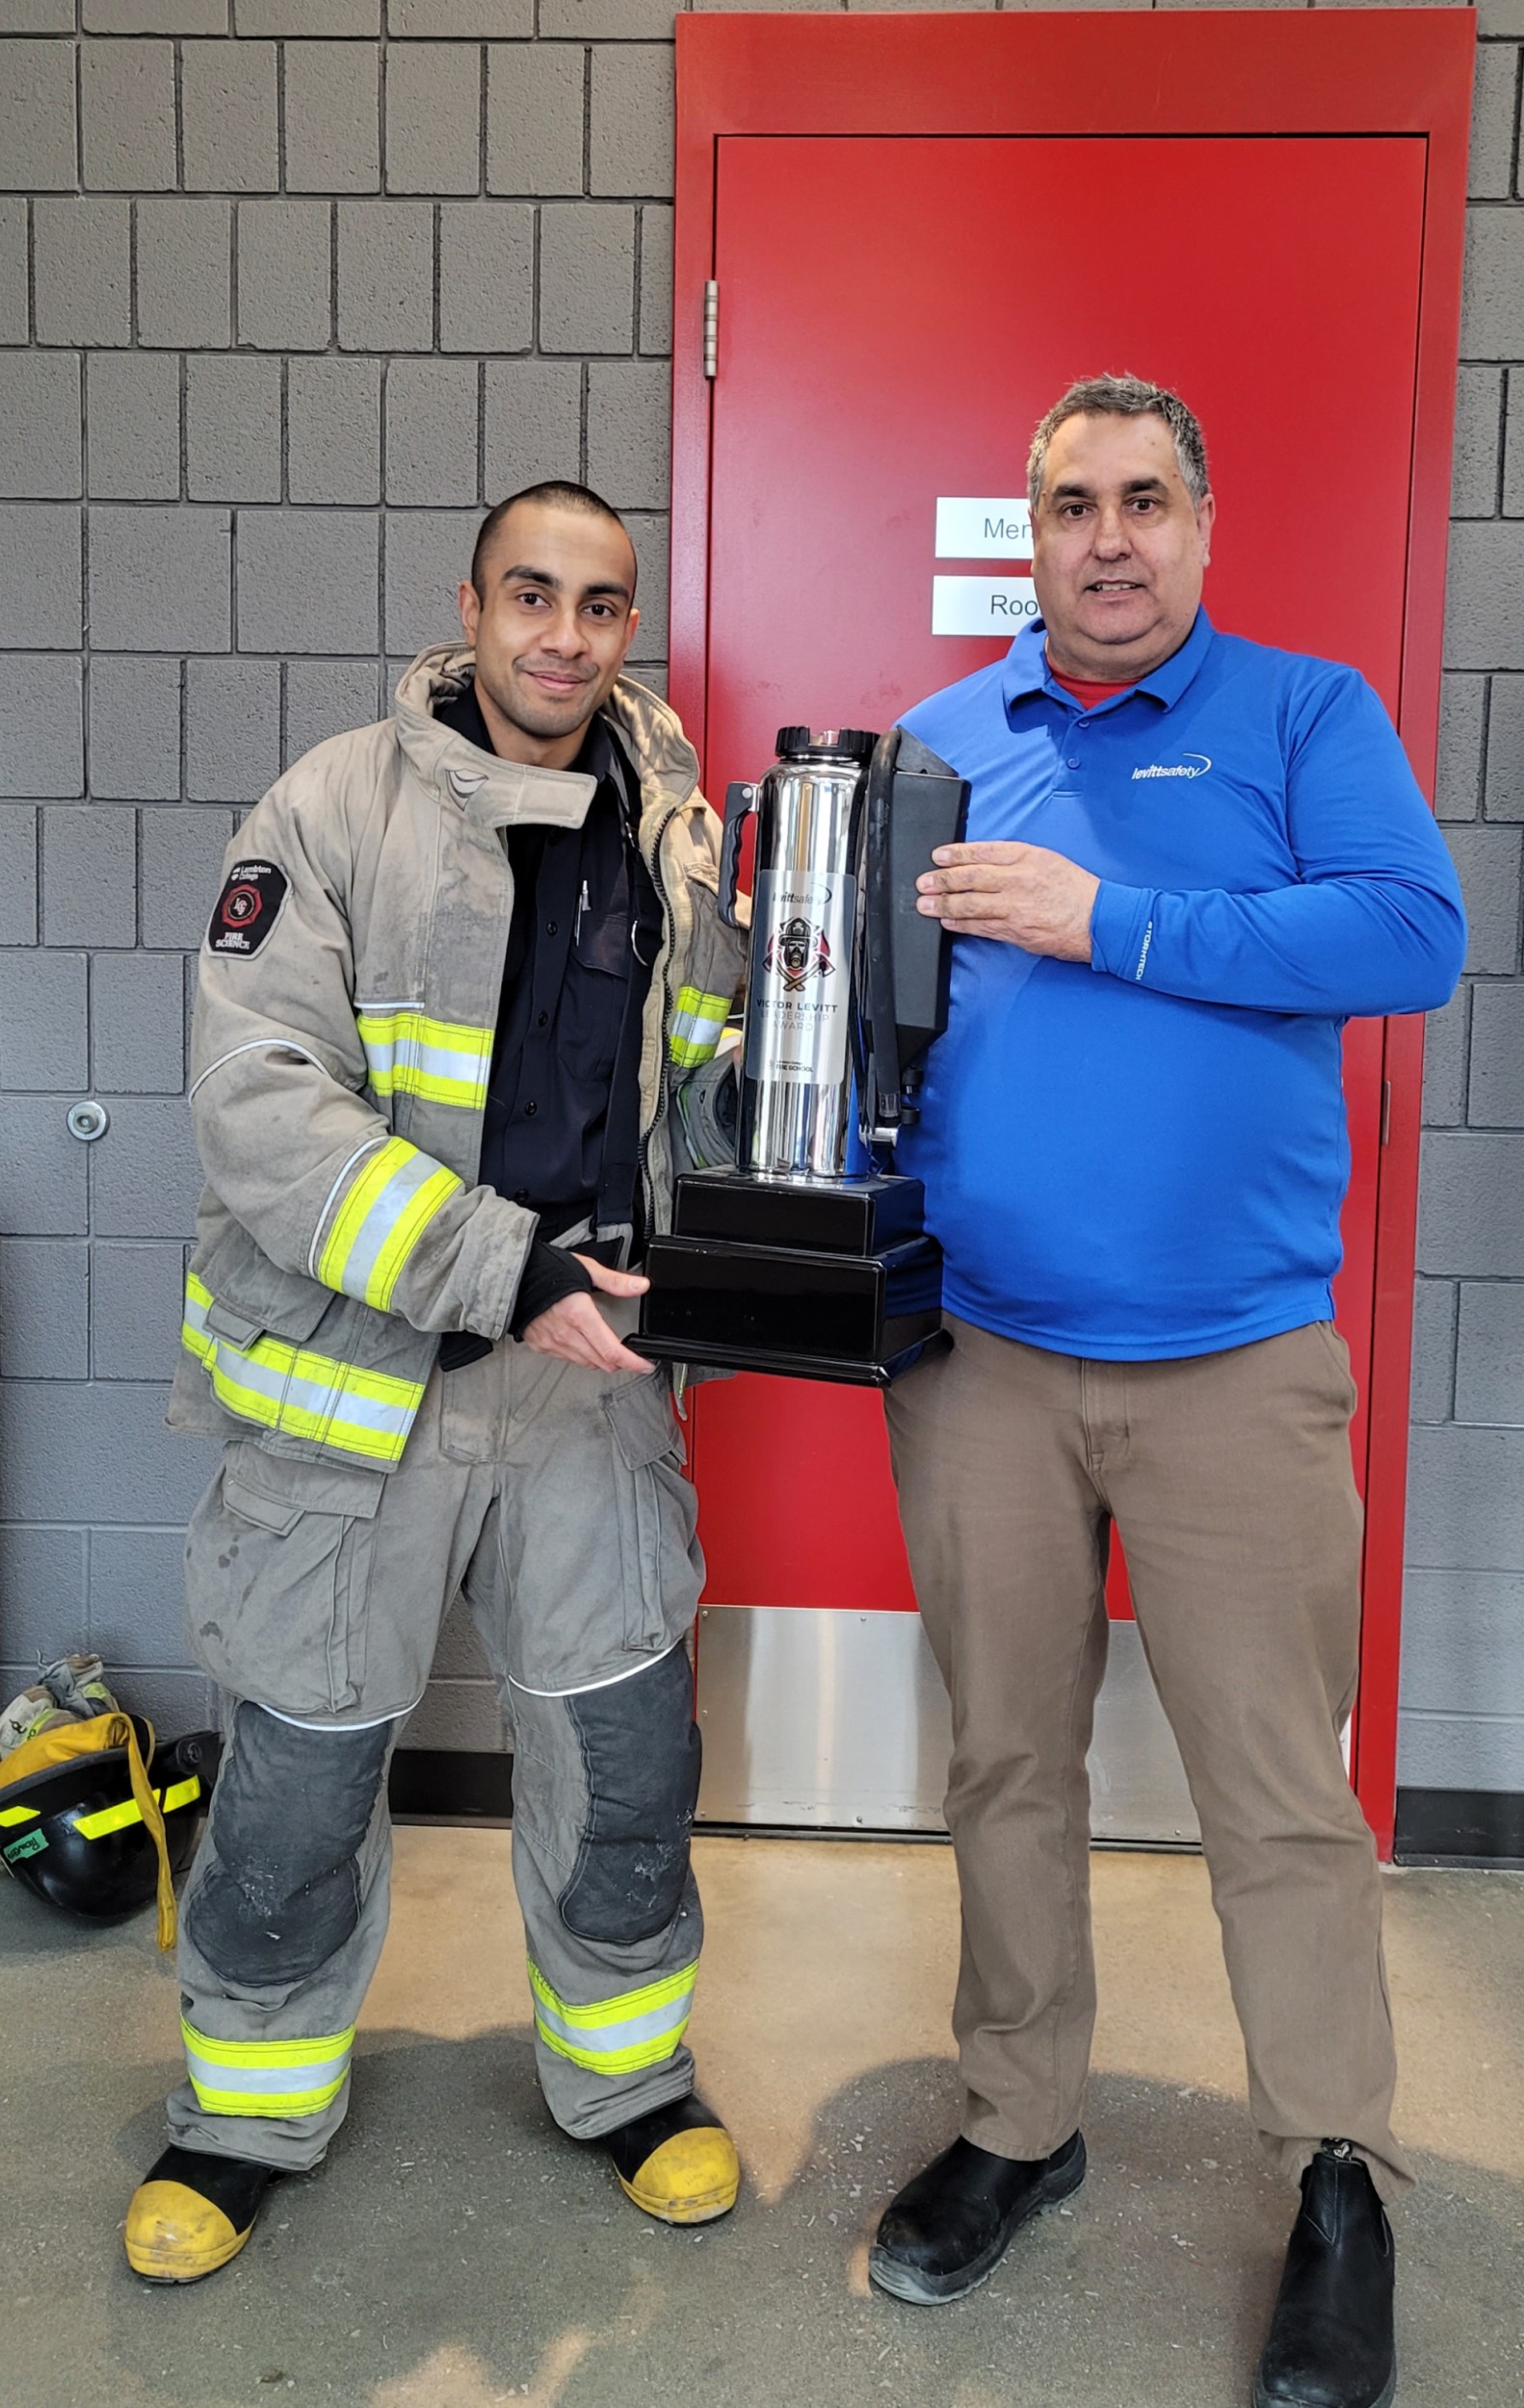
x: 456, y: 2251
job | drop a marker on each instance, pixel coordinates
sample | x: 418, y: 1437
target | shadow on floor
x: 457, y: 2251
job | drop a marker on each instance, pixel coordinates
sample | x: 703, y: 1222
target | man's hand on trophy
x: 575, y: 1330
x: 1020, y: 894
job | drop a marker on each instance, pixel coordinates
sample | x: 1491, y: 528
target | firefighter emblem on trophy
x: 798, y: 952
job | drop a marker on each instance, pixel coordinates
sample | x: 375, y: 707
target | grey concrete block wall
x: 289, y: 291
x: 332, y: 116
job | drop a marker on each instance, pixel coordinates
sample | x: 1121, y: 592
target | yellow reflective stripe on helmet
x: 275, y: 2077
x: 393, y: 1196
x: 108, y: 1818
x: 698, y: 1025
x: 616, y: 2035
x: 301, y: 1394
x: 445, y: 1061
x: 119, y: 1818
x: 18, y: 1813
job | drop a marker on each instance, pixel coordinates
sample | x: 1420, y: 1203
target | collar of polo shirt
x: 1027, y: 672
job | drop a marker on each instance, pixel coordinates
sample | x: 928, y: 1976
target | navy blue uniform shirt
x: 563, y: 1107
x: 1146, y: 1154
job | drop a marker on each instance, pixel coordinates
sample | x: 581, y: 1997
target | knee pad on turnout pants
x: 280, y: 1890
x: 638, y: 1753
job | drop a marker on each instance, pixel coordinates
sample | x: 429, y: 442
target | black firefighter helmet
x: 87, y: 1825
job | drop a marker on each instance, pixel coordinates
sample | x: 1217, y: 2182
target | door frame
x: 1392, y: 71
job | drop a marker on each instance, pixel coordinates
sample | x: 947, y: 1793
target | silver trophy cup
x: 793, y: 1262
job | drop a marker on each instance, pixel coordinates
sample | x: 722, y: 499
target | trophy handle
x: 878, y: 1071
x: 915, y: 802
x: 741, y: 801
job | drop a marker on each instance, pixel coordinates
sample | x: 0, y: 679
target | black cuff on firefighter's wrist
x: 550, y: 1272
x: 460, y: 1346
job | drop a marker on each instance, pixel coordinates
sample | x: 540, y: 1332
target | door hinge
x: 711, y: 328
x: 1387, y: 1110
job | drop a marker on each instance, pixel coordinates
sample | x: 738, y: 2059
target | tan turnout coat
x: 340, y: 1062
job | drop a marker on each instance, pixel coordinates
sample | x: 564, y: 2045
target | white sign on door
x: 971, y: 529
x: 981, y: 606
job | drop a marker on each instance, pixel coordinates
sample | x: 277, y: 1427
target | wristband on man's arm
x: 549, y: 1272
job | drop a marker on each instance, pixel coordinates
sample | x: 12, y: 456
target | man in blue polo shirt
x: 1191, y: 859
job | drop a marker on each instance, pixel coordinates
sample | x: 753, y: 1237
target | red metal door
x: 896, y: 309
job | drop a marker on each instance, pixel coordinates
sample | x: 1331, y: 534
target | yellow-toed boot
x: 193, y: 2213
x: 680, y: 2164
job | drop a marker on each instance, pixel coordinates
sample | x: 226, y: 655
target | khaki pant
x: 1229, y: 1481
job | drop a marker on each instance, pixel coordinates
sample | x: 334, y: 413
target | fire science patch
x: 248, y: 908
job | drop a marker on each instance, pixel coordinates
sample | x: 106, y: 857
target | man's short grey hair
x: 1123, y: 397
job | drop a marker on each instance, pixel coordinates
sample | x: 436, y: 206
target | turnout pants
x: 1230, y: 1483
x: 554, y: 1498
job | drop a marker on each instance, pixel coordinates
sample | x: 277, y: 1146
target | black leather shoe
x: 1330, y: 2338
x: 949, y: 2228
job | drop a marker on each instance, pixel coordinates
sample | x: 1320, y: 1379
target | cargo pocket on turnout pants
x: 277, y: 1561
x: 662, y: 1566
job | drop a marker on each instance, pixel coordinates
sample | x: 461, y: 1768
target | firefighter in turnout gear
x: 460, y: 964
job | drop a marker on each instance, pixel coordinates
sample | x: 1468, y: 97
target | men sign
x: 971, y: 529
x: 975, y: 527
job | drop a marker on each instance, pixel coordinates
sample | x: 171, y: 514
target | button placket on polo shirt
x: 1065, y: 787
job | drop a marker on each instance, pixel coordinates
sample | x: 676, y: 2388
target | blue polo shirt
x: 1146, y: 1154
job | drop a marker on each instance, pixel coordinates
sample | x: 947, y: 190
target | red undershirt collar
x: 1090, y: 692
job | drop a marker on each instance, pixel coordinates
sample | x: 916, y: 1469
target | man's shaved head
x: 549, y: 611
x: 555, y: 493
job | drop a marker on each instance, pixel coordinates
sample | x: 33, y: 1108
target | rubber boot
x: 678, y: 2163
x: 193, y: 2213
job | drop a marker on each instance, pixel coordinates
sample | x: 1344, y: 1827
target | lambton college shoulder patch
x: 248, y: 908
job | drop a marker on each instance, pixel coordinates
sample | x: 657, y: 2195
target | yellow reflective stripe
x: 301, y: 1394
x: 620, y: 2008
x: 610, y: 2061
x: 270, y: 2077
x: 18, y: 1813
x: 395, y: 1193
x: 697, y: 1004
x: 328, y: 1424
x: 445, y: 1061
x: 266, y: 2052
x: 374, y: 1174
x: 119, y: 1818
x: 108, y: 1818
x: 286, y: 2102
x: 698, y: 1024
x: 618, y: 2035
x: 406, y: 1231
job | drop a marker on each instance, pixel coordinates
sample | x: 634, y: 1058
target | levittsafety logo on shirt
x: 1194, y: 764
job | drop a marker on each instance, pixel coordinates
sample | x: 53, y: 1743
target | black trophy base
x: 856, y: 1217
x: 836, y: 1283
